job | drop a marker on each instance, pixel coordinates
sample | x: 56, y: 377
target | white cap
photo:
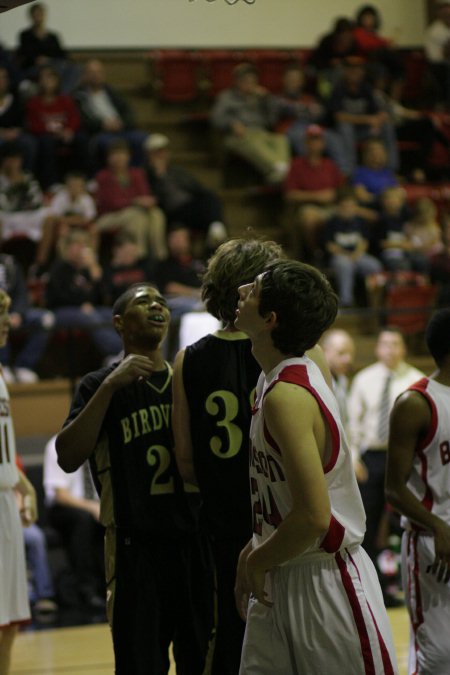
x: 157, y: 141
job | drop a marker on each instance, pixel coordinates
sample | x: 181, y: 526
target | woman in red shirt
x: 53, y: 119
x: 124, y: 202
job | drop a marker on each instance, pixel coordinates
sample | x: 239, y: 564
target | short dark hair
x: 236, y: 262
x: 373, y: 11
x: 117, y: 145
x: 123, y: 300
x: 304, y: 302
x: 437, y: 335
x: 10, y: 149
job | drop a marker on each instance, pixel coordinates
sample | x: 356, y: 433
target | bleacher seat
x: 177, y: 75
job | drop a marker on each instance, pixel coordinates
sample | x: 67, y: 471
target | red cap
x: 314, y: 130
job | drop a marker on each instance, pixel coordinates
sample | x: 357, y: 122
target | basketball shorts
x: 14, y: 607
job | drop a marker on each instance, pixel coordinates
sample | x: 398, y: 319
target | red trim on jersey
x: 298, y: 375
x: 334, y: 537
x: 421, y: 388
x: 22, y: 622
x: 385, y: 656
x: 415, y: 608
x: 270, y: 440
x: 366, y: 649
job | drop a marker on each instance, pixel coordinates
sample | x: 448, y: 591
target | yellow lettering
x: 137, y: 433
x: 156, y: 417
x: 143, y: 414
x: 127, y: 435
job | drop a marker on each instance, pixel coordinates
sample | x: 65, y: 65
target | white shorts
x: 428, y: 603
x: 14, y: 607
x: 328, y: 618
x: 23, y: 223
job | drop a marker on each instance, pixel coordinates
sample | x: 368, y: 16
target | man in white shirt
x: 74, y: 510
x: 437, y: 47
x: 339, y: 350
x: 372, y: 395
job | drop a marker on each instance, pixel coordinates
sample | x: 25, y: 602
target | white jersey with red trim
x: 429, y: 480
x: 271, y: 497
x: 8, y: 469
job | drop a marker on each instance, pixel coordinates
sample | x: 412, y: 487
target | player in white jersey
x: 17, y: 507
x: 316, y: 605
x: 418, y: 485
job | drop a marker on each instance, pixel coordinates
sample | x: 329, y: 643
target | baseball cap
x: 156, y: 142
x: 314, y: 130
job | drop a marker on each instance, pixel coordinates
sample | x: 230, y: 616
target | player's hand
x: 441, y: 566
x: 360, y: 471
x: 133, y: 367
x: 256, y: 577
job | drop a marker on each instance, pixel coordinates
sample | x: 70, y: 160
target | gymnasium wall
x: 199, y: 23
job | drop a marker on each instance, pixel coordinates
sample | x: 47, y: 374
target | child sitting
x: 424, y: 234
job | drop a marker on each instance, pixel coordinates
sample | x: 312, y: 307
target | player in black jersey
x: 120, y: 419
x: 214, y: 381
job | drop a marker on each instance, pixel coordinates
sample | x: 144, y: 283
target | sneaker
x: 8, y: 375
x: 45, y: 606
x: 25, y: 375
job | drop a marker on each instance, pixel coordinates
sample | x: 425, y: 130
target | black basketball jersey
x: 133, y: 464
x: 219, y: 375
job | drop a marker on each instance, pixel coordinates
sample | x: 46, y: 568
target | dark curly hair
x: 236, y: 262
x: 304, y: 302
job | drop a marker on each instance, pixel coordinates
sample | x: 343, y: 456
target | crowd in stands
x: 104, y: 203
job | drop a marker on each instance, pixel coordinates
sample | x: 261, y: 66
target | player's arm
x: 181, y: 423
x: 241, y: 586
x: 77, y: 441
x: 295, y: 435
x: 316, y: 354
x: 28, y: 506
x: 410, y: 420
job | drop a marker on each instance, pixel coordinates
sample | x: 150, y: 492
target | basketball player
x: 14, y: 488
x: 418, y: 485
x: 120, y: 419
x: 213, y: 384
x: 316, y: 605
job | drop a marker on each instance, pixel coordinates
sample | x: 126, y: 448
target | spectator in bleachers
x: 39, y: 46
x: 347, y: 241
x: 311, y: 185
x: 9, y: 64
x: 74, y: 293
x: 41, y: 592
x: 12, y: 121
x: 339, y: 351
x: 22, y: 210
x: 106, y: 115
x: 71, y: 206
x: 125, y: 202
x: 300, y: 109
x: 424, y: 234
x: 246, y: 114
x: 373, y: 176
x: 379, y: 51
x: 33, y: 322
x: 437, y: 49
x: 357, y: 114
x: 390, y: 228
x: 74, y: 511
x: 54, y: 121
x: 180, y: 195
x: 328, y: 57
x: 126, y: 267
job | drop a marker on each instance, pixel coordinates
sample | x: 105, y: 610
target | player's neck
x: 266, y: 354
x: 155, y: 355
x: 442, y: 375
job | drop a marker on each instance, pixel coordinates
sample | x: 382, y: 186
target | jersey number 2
x: 162, y: 481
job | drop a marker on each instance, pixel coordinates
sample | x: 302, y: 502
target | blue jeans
x: 36, y: 340
x: 98, y: 323
x: 334, y: 145
x: 41, y: 585
x: 352, y: 134
x: 345, y: 270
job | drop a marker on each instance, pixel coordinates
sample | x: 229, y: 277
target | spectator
x: 392, y: 238
x: 22, y: 210
x: 12, y: 122
x: 440, y: 267
x: 181, y: 196
x: 71, y: 206
x: 41, y: 592
x: 372, y: 395
x: 311, y: 185
x: 74, y: 511
x: 246, y: 114
x: 125, y: 202
x: 303, y: 109
x: 424, y: 234
x: 32, y: 322
x: 339, y: 351
x: 373, y: 176
x: 53, y: 120
x: 74, y: 293
x: 437, y: 49
x: 106, y: 116
x: 126, y: 268
x: 379, y: 51
x: 178, y: 277
x: 39, y: 47
x: 357, y: 114
x: 328, y: 57
x: 347, y: 242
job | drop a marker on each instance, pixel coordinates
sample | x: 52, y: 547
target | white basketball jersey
x: 8, y: 469
x: 271, y: 497
x: 430, y: 475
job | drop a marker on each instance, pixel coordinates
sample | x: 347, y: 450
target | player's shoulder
x: 92, y: 380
